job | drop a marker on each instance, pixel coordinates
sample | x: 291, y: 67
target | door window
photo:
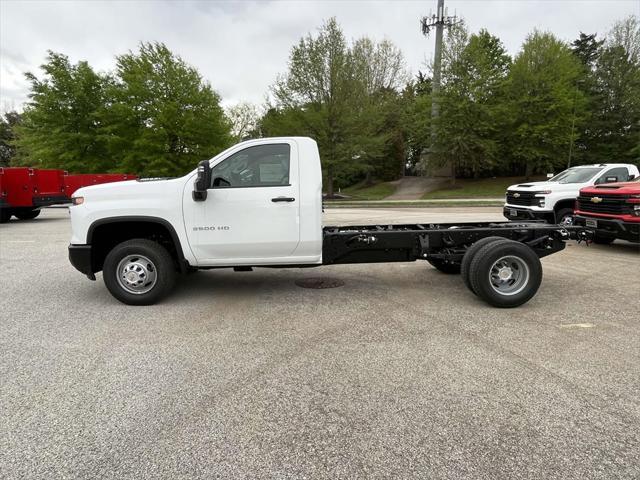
x: 259, y: 166
x: 619, y: 174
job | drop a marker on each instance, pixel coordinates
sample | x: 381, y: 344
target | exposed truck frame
x: 140, y: 234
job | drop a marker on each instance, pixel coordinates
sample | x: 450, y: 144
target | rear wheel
x: 28, y: 214
x: 468, y: 256
x: 5, y: 215
x: 139, y: 272
x: 445, y: 266
x: 505, y: 274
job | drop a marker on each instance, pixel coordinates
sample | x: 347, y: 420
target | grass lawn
x: 485, y: 187
x: 377, y: 191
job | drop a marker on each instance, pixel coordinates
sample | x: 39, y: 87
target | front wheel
x: 139, y: 272
x: 505, y: 273
x: 5, y: 215
x: 28, y: 214
x: 564, y: 216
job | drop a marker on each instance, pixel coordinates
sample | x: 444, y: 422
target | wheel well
x: 564, y: 204
x: 103, y: 236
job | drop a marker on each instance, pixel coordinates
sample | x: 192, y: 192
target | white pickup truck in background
x: 554, y: 199
x: 259, y: 204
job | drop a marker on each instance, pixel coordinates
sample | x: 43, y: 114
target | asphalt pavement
x: 400, y: 373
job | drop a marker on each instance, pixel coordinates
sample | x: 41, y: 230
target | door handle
x: 283, y: 199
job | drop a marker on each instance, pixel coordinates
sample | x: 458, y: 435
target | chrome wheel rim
x: 567, y: 220
x: 136, y: 274
x: 509, y: 275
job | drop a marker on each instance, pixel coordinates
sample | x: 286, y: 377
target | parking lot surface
x: 400, y: 373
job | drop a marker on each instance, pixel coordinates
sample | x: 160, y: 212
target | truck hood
x: 622, y: 188
x: 540, y: 186
x: 132, y: 189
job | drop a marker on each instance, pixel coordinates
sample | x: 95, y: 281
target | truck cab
x: 259, y: 207
x: 553, y: 200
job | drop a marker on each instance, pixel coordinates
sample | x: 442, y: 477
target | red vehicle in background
x: 24, y: 191
x: 612, y: 209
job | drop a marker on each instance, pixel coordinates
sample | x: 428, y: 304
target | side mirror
x: 631, y: 177
x: 203, y: 181
x: 549, y: 175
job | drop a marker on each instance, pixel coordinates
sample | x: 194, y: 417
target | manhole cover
x: 319, y: 282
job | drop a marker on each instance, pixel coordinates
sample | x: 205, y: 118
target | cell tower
x: 438, y: 21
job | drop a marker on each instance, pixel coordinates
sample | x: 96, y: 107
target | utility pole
x: 437, y: 21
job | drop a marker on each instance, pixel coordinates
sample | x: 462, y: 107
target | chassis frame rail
x: 445, y: 241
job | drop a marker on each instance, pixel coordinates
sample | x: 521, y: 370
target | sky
x: 241, y: 47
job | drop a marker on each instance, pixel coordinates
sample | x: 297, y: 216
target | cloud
x: 241, y: 47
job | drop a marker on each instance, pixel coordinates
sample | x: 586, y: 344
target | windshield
x: 576, y: 175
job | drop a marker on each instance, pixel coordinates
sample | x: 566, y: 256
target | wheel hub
x: 136, y: 274
x: 505, y: 273
x: 509, y: 275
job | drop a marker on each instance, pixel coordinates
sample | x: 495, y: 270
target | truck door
x: 612, y: 175
x: 252, y: 208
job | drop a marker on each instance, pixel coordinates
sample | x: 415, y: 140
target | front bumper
x: 612, y: 227
x: 516, y: 213
x: 80, y: 257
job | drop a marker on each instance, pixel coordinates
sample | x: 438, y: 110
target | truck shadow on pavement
x: 225, y: 283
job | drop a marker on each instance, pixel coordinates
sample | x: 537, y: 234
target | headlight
x: 77, y: 200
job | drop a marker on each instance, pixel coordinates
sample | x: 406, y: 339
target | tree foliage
x: 61, y: 123
x: 163, y: 118
x: 545, y: 102
x: 153, y: 116
x: 342, y: 95
x: 8, y: 124
x: 244, y: 118
x: 470, y: 128
x: 553, y: 104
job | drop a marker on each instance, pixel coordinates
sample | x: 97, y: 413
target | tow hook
x: 585, y: 236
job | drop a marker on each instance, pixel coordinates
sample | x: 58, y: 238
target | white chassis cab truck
x: 553, y: 201
x: 259, y: 204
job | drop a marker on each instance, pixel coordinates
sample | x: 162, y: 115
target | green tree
x: 614, y: 129
x: 611, y: 84
x: 470, y: 128
x: 546, y: 103
x: 333, y: 92
x: 8, y: 124
x: 244, y: 118
x: 416, y: 99
x: 162, y: 117
x: 61, y: 126
x: 626, y: 34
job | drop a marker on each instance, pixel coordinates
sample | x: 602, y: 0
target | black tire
x: 444, y: 266
x: 161, y: 266
x: 520, y: 260
x: 562, y: 214
x: 603, y: 239
x: 468, y: 256
x: 5, y: 215
x: 28, y: 214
